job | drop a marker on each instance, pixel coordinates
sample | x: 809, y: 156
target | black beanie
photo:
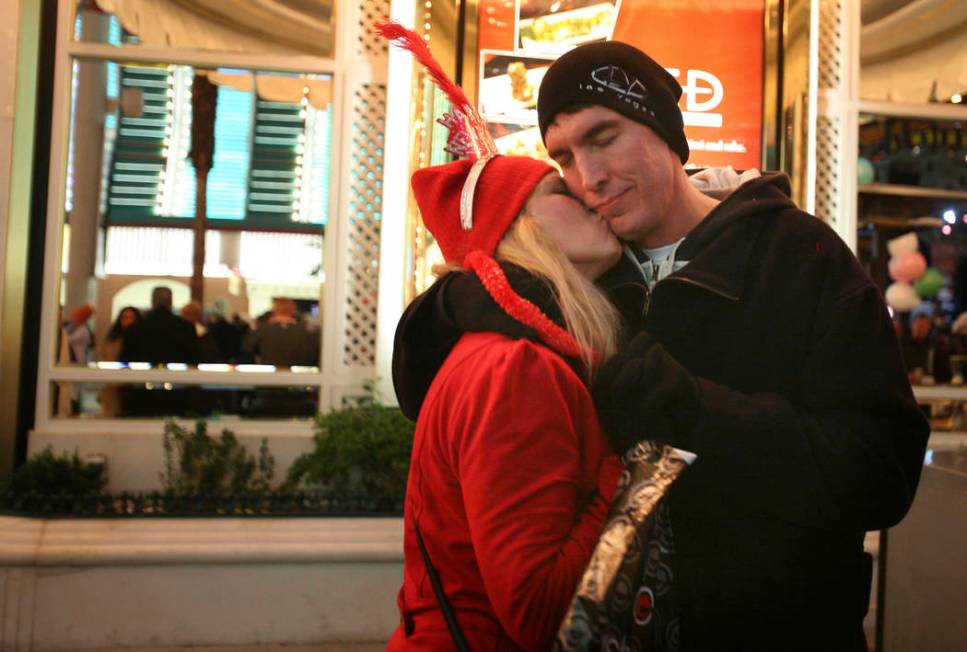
x: 620, y: 77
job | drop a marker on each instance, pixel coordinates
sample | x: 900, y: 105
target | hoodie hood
x: 720, y: 247
x: 456, y: 304
x: 766, y: 194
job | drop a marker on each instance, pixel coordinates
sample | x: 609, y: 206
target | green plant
x: 198, y: 464
x: 45, y: 473
x: 361, y: 450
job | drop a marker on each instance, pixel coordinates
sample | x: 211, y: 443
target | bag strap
x: 455, y: 632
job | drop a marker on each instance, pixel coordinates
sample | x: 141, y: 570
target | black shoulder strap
x: 441, y: 598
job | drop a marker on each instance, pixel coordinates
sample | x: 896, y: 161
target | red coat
x: 508, y: 470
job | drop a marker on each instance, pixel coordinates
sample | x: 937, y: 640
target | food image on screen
x: 508, y: 86
x: 518, y: 140
x: 559, y: 25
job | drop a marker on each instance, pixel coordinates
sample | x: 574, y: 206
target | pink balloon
x: 907, y: 267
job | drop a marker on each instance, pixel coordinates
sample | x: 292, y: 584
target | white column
x: 396, y: 189
x: 352, y: 257
x: 88, y: 137
x: 10, y: 10
x: 835, y: 74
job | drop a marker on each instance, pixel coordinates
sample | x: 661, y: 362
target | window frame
x: 333, y: 380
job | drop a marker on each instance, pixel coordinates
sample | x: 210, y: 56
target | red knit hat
x: 497, y: 199
x: 467, y: 230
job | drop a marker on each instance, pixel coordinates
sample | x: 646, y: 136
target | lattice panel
x: 366, y: 191
x: 369, y: 43
x: 831, y: 35
x: 828, y: 170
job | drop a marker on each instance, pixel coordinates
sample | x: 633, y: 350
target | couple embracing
x: 620, y: 300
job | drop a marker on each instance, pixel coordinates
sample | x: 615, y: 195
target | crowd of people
x: 282, y: 337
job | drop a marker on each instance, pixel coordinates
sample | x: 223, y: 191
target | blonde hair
x: 588, y: 315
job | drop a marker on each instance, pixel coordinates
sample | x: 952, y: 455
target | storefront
x: 246, y: 160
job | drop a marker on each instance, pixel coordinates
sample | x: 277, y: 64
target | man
x: 762, y: 347
x: 283, y: 339
x: 160, y: 337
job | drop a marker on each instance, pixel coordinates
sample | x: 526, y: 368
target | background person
x: 283, y: 339
x: 76, y: 346
x: 763, y: 347
x: 161, y: 337
x: 110, y: 350
x: 207, y: 346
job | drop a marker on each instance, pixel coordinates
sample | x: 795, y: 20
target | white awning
x: 914, y: 51
x: 254, y: 26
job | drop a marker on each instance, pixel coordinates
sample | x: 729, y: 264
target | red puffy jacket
x: 509, y: 482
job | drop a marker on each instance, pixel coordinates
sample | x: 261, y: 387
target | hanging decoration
x: 905, y: 266
x: 930, y: 284
x: 902, y: 297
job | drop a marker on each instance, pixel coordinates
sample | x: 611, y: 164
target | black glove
x: 642, y: 392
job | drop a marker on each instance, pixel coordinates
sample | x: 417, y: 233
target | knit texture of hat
x: 620, y: 77
x: 502, y: 190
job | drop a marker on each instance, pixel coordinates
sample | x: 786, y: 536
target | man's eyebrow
x: 589, y: 134
x: 595, y: 130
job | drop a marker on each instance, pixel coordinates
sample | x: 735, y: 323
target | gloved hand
x: 642, y: 392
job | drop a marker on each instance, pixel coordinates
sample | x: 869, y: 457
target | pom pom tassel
x: 497, y: 285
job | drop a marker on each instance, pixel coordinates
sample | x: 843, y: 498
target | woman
x: 110, y: 350
x: 510, y: 475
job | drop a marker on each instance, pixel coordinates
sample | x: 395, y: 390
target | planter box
x: 68, y: 584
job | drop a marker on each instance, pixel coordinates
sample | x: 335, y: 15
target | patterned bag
x: 626, y: 599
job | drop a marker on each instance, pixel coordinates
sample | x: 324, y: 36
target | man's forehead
x: 584, y: 115
x: 574, y: 129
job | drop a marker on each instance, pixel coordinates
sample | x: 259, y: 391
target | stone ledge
x: 146, y: 541
x: 239, y: 583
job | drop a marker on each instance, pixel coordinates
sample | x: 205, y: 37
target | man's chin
x: 622, y: 227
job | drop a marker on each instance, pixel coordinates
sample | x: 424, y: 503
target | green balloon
x: 928, y: 285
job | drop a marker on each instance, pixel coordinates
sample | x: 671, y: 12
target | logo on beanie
x: 628, y: 88
x: 615, y: 78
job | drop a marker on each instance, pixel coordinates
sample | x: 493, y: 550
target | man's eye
x: 604, y: 140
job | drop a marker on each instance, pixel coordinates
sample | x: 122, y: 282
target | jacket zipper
x: 687, y: 281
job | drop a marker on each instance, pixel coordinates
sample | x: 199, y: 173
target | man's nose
x: 592, y: 173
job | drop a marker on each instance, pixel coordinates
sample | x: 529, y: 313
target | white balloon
x: 903, y: 244
x: 902, y: 297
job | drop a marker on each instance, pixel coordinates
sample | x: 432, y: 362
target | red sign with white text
x: 714, y: 49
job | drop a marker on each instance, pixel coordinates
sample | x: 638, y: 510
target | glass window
x: 912, y: 237
x: 134, y: 287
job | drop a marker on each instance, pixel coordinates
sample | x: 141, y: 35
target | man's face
x: 619, y: 168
